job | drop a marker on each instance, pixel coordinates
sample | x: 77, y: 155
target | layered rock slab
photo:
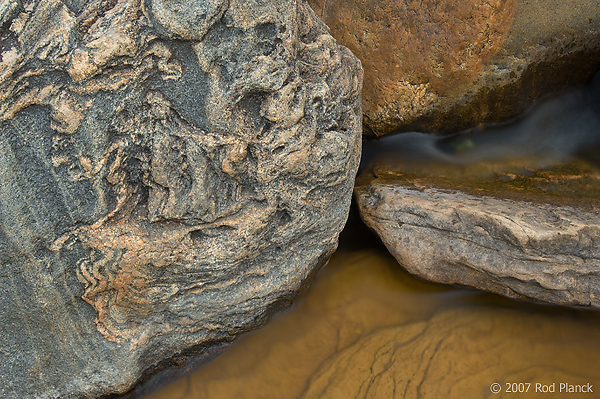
x: 442, y: 66
x: 169, y: 176
x: 499, y: 243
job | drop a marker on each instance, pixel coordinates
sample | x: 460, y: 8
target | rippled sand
x: 369, y: 330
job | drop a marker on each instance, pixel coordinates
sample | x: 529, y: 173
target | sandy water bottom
x: 367, y: 329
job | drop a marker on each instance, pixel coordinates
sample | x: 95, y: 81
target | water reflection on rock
x: 369, y: 330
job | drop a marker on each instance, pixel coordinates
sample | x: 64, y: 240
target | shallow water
x: 367, y: 329
x: 559, y: 127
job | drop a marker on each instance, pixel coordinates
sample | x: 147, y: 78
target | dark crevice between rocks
x: 356, y: 235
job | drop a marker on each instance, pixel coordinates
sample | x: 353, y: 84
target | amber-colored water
x: 367, y: 329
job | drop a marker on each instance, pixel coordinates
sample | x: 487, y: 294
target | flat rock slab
x: 170, y: 176
x: 517, y: 248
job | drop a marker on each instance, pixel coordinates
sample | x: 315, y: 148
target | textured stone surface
x: 516, y: 248
x: 170, y: 174
x: 443, y: 66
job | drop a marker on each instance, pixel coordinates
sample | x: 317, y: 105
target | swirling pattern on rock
x: 182, y: 174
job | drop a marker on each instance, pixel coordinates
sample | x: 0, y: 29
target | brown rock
x: 444, y: 66
x: 456, y: 354
x: 507, y: 209
x: 513, y: 248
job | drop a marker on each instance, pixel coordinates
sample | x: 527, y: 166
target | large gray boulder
x: 170, y: 175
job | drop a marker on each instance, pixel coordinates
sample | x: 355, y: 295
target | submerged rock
x: 366, y: 327
x: 454, y: 354
x: 169, y: 177
x: 441, y: 66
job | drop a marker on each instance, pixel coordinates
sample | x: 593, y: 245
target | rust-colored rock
x: 415, y: 51
x: 447, y: 66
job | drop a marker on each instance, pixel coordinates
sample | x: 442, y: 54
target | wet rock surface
x: 169, y: 177
x: 455, y: 354
x: 439, y: 66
